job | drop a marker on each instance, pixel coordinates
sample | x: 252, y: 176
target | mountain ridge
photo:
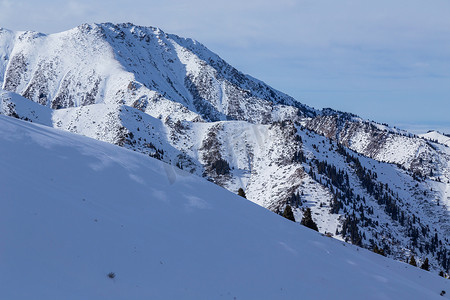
x: 171, y: 99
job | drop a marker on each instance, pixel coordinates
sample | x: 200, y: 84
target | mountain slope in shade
x: 91, y: 208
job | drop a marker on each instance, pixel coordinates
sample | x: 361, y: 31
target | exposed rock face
x: 173, y: 99
x: 379, y: 142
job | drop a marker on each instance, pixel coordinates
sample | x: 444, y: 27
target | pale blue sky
x: 384, y: 60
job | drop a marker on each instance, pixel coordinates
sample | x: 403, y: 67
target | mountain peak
x: 161, y: 65
x: 173, y: 99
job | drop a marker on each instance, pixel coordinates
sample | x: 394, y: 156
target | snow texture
x: 74, y: 210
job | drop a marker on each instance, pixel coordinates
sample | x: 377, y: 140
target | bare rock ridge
x: 173, y: 99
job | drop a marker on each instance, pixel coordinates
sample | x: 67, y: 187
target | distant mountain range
x: 172, y: 99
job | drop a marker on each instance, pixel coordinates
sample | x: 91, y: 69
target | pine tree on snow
x: 412, y: 261
x: 241, y: 193
x: 288, y: 214
x: 308, y: 221
x: 425, y: 265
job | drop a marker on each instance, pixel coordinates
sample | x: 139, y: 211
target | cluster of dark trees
x: 357, y: 213
x: 158, y: 153
x: 386, y: 198
x: 307, y: 219
x: 378, y: 250
x: 220, y: 166
x: 425, y: 265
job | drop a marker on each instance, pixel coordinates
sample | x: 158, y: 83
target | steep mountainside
x: 174, y: 100
x: 99, y: 222
x: 163, y: 75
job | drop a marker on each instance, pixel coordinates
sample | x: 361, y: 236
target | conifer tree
x: 308, y: 221
x: 241, y: 193
x: 378, y: 250
x: 426, y: 265
x: 412, y: 261
x: 288, y: 214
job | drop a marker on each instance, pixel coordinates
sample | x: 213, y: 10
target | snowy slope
x: 263, y: 159
x: 437, y: 137
x: 172, y: 99
x: 91, y: 208
x: 12, y: 104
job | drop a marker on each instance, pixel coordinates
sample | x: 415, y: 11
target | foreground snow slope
x: 74, y: 209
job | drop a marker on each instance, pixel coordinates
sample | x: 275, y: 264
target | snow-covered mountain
x: 174, y: 100
x: 83, y: 219
x: 161, y: 74
x: 437, y: 137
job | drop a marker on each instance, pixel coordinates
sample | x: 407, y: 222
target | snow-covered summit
x: 144, y: 67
